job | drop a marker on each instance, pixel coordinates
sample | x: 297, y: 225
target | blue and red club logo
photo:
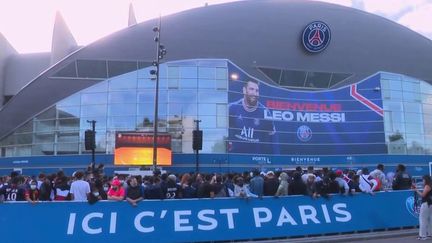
x: 316, y: 36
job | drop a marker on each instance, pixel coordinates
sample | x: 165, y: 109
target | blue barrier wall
x: 204, y: 219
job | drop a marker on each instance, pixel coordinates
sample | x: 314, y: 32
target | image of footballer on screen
x: 249, y: 131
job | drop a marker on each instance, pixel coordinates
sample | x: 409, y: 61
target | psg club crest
x: 304, y: 133
x: 316, y: 36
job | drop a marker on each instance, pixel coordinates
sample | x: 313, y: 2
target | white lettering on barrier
x: 71, y: 224
x: 86, y: 220
x: 258, y: 219
x: 337, y: 209
x: 207, y: 220
x: 285, y: 217
x: 138, y: 225
x: 178, y: 221
x: 229, y: 212
x: 326, y: 213
x: 312, y: 215
x: 212, y: 222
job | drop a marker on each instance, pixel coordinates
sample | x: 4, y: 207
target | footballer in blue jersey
x: 249, y: 132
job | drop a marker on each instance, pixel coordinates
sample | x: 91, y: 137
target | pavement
x: 391, y: 236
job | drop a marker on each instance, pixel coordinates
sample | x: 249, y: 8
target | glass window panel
x: 68, y: 111
x: 43, y: 149
x: 122, y: 97
x: 27, y: 127
x: 212, y: 63
x: 208, y: 122
x: 182, y: 96
x: 146, y: 121
x: 68, y: 137
x: 125, y: 81
x: 413, y: 118
x: 189, y: 83
x: 222, y: 73
x: 69, y: 124
x: 212, y: 97
x: 393, y: 106
x: 413, y: 87
x: 74, y: 99
x: 207, y: 83
x: 206, y: 73
x: 173, y: 72
x: 293, y: 78
x: 385, y: 84
x: 148, y: 109
x: 427, y: 109
x: 338, y: 77
x: 397, y: 127
x: 144, y: 70
x: 415, y: 144
x: 100, y: 122
x: 391, y: 76
x: 44, y: 126
x: 93, y: 110
x: 97, y: 88
x: 93, y: 98
x: 146, y: 84
x: 189, y: 72
x: 222, y: 84
x: 395, y: 84
x: 181, y: 110
x: 24, y: 138
x: 409, y: 96
x: 173, y: 83
x: 207, y: 109
x: 396, y: 95
x: 272, y: 73
x: 222, y: 120
x: 122, y: 122
x: 425, y: 88
x: 317, y: 80
x: 92, y: 69
x: 116, y: 68
x: 148, y: 96
x: 67, y: 148
x: 122, y: 109
x: 44, y: 138
x: 413, y: 128
x: 48, y: 114
x: 23, y: 151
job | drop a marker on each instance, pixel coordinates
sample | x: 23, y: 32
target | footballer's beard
x: 252, y: 101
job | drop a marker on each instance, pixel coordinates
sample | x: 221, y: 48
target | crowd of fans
x: 93, y: 185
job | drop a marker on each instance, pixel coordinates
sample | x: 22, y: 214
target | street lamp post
x: 160, y: 53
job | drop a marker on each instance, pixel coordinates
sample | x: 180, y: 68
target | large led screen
x: 136, y: 148
x: 265, y: 119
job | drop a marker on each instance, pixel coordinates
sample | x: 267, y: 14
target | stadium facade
x: 275, y: 83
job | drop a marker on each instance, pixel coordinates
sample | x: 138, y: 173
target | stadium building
x: 276, y: 84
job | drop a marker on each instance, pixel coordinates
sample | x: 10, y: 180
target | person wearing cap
x: 116, y: 192
x: 79, y: 189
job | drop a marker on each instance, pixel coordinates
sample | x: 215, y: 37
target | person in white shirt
x: 80, y: 189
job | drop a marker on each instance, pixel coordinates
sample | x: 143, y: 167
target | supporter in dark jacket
x: 402, y: 180
x: 134, y: 192
x: 297, y: 186
x: 153, y: 190
x: 271, y: 184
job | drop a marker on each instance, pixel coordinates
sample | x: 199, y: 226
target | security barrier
x: 204, y: 219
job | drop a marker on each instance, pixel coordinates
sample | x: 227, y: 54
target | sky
x: 28, y: 24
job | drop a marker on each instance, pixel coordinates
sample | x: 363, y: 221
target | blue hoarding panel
x: 204, y: 219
